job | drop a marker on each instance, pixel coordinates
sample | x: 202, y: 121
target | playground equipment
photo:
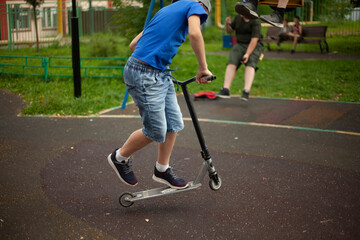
x: 218, y: 14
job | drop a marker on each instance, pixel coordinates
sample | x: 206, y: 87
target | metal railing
x: 22, y: 64
x: 50, y: 67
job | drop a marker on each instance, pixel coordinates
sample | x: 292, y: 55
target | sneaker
x: 245, y: 96
x: 224, y: 93
x: 247, y: 9
x: 292, y: 51
x: 169, y: 178
x: 274, y: 19
x: 123, y: 169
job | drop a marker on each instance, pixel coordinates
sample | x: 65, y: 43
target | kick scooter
x: 127, y: 199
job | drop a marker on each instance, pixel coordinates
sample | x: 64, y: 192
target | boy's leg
x: 120, y: 160
x: 162, y: 172
x: 150, y: 102
x: 135, y: 142
x: 229, y: 78
x: 166, y: 148
x: 229, y: 75
x: 296, y: 38
x: 174, y: 123
x: 248, y: 8
x: 276, y: 18
x: 278, y: 43
x: 235, y: 55
x: 248, y: 79
x: 282, y: 3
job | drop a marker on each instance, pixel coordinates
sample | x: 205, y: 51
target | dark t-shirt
x: 246, y: 30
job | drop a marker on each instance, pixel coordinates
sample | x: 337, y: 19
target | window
x: 49, y: 18
x: 21, y: 17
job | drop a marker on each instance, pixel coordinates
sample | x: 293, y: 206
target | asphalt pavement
x: 290, y: 170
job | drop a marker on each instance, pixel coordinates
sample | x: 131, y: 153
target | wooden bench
x: 311, y: 35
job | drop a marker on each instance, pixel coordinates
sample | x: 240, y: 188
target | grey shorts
x: 238, y: 51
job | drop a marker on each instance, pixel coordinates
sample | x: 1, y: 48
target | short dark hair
x: 297, y: 17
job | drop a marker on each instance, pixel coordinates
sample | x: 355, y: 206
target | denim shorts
x: 154, y: 94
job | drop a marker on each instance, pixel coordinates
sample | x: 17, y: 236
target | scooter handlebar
x: 209, y: 78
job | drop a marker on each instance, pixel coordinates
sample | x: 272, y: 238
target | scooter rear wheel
x: 125, y: 198
x: 215, y: 185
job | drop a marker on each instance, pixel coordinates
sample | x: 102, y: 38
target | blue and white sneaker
x: 123, y: 169
x: 169, y: 178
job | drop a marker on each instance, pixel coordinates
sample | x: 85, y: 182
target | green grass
x: 57, y: 97
x: 336, y: 80
x: 305, y: 79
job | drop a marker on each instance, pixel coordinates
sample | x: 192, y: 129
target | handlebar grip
x: 210, y: 78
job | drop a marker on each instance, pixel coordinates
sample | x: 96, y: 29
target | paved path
x: 290, y: 170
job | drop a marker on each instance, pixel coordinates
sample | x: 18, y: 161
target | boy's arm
x: 134, y: 41
x: 228, y: 28
x: 198, y: 45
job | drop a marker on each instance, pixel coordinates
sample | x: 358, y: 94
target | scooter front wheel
x: 215, y: 184
x: 125, y: 198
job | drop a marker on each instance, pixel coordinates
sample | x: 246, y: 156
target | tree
x: 132, y: 15
x: 35, y: 4
x: 355, y: 3
x: 335, y: 11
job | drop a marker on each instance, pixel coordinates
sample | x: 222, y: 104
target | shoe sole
x: 116, y: 171
x: 160, y: 180
x: 244, y: 99
x: 223, y: 96
x: 279, y: 25
x: 246, y: 12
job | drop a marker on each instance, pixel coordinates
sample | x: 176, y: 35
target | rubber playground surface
x: 290, y: 170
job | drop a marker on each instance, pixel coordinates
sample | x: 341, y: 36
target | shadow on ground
x: 261, y: 197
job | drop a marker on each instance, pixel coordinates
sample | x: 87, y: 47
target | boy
x: 247, y: 51
x: 149, y: 82
x: 294, y: 33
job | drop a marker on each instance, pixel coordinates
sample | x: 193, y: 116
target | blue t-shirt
x: 166, y: 32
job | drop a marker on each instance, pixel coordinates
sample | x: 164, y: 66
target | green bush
x: 103, y: 45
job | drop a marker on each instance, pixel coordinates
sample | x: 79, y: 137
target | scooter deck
x: 157, y: 192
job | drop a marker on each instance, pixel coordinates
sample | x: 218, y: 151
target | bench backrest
x: 272, y: 32
x: 314, y: 31
x: 308, y: 31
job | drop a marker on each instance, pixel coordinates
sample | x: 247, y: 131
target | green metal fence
x: 50, y: 67
x: 17, y: 25
x: 17, y: 21
x: 18, y: 65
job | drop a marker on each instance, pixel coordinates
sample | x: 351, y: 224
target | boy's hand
x: 228, y: 20
x: 200, y: 76
x: 245, y: 58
